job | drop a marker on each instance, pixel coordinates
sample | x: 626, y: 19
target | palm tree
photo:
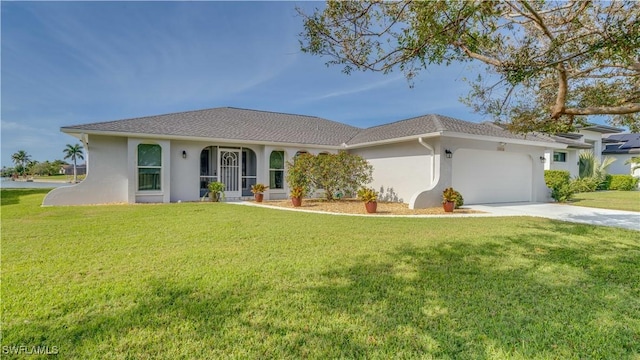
x: 21, y: 158
x: 634, y: 162
x: 74, y: 152
x: 589, y: 166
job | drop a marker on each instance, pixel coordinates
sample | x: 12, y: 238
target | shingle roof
x: 263, y: 126
x: 436, y: 123
x: 233, y: 123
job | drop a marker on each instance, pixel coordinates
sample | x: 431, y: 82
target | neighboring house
x: 586, y: 138
x: 68, y: 169
x: 622, y: 147
x: 170, y: 158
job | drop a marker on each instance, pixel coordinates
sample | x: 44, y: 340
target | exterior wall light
x: 448, y: 154
x: 184, y: 154
x: 543, y: 159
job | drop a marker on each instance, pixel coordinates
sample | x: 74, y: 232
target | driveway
x: 578, y: 214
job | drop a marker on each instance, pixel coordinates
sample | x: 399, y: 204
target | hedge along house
x: 170, y: 158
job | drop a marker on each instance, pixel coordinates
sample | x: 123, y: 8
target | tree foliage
x: 555, y: 61
x: 22, y: 160
x: 74, y: 152
x: 330, y: 172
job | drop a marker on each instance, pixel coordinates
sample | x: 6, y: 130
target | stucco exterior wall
x: 400, y: 170
x: 433, y: 197
x: 570, y: 165
x: 619, y: 166
x: 107, y: 176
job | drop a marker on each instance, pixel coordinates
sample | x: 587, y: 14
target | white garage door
x: 492, y: 176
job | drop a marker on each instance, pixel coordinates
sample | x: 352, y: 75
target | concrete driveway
x: 578, y: 214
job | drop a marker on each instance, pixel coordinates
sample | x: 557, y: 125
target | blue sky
x: 67, y: 63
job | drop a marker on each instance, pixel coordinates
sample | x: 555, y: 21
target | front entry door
x: 229, y: 160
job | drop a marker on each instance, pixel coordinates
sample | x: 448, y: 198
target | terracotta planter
x: 448, y: 206
x: 259, y: 197
x: 371, y: 207
x: 296, y: 201
x: 214, y: 197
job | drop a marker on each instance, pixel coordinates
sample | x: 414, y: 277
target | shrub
x: 555, y: 178
x: 560, y: 184
x: 623, y: 182
x: 588, y: 184
x: 605, y: 184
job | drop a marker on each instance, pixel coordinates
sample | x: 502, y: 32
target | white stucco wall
x: 539, y: 191
x: 570, y: 165
x: 594, y: 138
x: 619, y: 166
x: 107, y: 177
x: 399, y: 170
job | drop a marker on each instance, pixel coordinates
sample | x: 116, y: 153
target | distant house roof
x: 234, y: 124
x: 622, y: 144
x: 604, y: 129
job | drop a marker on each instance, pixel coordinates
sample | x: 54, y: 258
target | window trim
x: 271, y: 170
x: 564, y: 156
x: 138, y: 167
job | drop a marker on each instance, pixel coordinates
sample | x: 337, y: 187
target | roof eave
x: 392, y: 140
x: 544, y: 144
x: 79, y: 132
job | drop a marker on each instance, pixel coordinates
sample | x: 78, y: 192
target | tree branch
x: 604, y: 110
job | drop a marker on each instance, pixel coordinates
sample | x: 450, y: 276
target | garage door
x: 492, y: 176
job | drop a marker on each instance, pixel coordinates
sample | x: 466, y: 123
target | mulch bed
x: 354, y: 206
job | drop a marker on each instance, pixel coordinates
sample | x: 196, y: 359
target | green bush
x: 555, y: 178
x: 605, y: 184
x: 559, y: 181
x: 623, y: 182
x: 588, y: 184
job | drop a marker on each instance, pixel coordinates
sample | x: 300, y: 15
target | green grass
x: 617, y: 200
x: 215, y: 280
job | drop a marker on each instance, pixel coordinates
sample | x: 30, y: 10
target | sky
x: 69, y: 63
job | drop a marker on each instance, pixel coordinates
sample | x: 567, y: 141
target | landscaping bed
x: 354, y: 206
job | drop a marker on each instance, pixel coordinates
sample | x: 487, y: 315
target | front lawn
x: 215, y: 280
x: 617, y: 200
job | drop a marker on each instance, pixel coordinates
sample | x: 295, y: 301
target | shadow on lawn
x: 12, y: 196
x: 515, y: 298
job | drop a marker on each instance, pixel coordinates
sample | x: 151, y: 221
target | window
x: 559, y: 156
x: 149, y: 167
x: 276, y: 170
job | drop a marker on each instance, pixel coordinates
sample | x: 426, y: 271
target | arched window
x: 149, y: 167
x: 276, y: 170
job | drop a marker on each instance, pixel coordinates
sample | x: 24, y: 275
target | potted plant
x: 297, y: 193
x: 258, y: 191
x: 216, y: 191
x: 370, y: 198
x: 451, y: 199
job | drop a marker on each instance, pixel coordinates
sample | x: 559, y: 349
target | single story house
x: 172, y: 157
x: 622, y: 147
x: 81, y: 169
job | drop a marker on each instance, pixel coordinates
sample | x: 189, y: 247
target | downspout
x: 433, y: 160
